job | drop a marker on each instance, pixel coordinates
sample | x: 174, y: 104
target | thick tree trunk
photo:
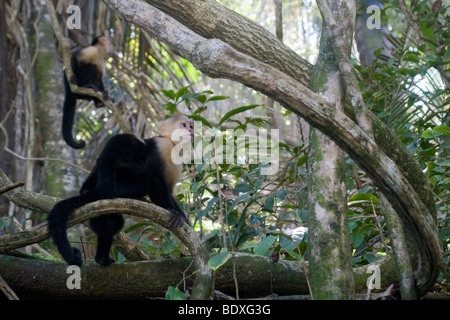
x: 329, y: 242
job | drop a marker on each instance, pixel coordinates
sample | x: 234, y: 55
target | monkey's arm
x: 161, y: 195
x: 74, y: 65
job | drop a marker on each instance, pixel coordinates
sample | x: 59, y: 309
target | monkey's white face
x: 105, y: 46
x: 184, y: 131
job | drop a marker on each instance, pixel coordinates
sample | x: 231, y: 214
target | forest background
x: 401, y: 69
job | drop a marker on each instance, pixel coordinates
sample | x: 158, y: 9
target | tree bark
x: 257, y: 276
x: 212, y: 20
x: 329, y: 241
x: 386, y: 161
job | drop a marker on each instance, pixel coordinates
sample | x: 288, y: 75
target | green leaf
x: 181, y: 92
x: 196, y: 117
x: 430, y: 134
x: 377, y: 52
x: 219, y: 260
x: 302, y: 160
x: 424, y: 69
x: 175, y: 294
x: 431, y: 165
x: 444, y: 163
x: 268, y: 204
x: 357, y: 239
x: 411, y: 56
x: 290, y: 246
x: 217, y: 98
x: 243, y: 187
x: 428, y: 31
x: 281, y: 194
x: 236, y: 111
x: 442, y: 129
x: 262, y: 247
x: 363, y: 198
x: 169, y: 94
x: 205, y: 211
x: 201, y: 98
x: 171, y: 107
x: 383, y: 114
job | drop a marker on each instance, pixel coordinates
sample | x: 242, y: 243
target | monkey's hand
x: 177, y: 218
x: 106, y: 96
x: 73, y: 79
x: 92, y: 86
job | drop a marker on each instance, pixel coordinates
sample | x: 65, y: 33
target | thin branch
x: 35, y: 158
x: 221, y: 219
x: 412, y: 24
x: 6, y: 289
x: 12, y: 186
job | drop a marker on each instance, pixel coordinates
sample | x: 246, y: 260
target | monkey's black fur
x: 88, y: 75
x: 126, y: 168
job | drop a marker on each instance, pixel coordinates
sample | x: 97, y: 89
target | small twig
x: 10, y: 294
x: 11, y: 186
x: 379, y: 227
x: 32, y: 158
x: 221, y: 218
x: 236, y: 285
x: 183, y: 280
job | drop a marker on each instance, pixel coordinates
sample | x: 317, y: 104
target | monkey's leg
x: 106, y: 227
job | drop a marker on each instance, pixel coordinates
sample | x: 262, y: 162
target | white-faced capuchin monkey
x: 88, y: 68
x: 127, y: 167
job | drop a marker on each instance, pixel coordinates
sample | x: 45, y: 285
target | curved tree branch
x: 219, y: 22
x: 203, y: 283
x: 245, y: 35
x: 406, y: 190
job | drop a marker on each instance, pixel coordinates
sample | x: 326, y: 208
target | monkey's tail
x: 57, y: 224
x: 70, y: 103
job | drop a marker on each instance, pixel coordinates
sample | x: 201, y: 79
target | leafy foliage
x: 409, y: 92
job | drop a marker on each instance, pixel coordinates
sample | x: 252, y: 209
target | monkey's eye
x: 183, y: 125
